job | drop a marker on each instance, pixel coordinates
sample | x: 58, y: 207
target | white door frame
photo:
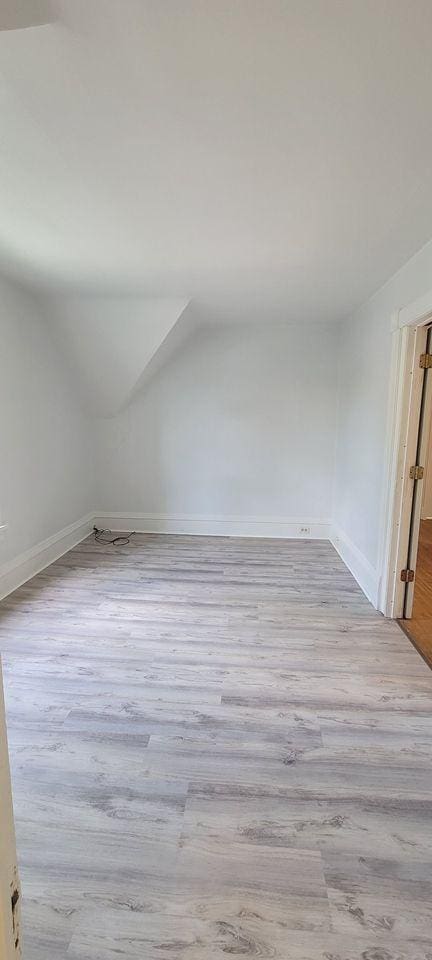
x: 408, y: 328
x: 10, y: 893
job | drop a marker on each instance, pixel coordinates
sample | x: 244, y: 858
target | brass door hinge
x: 426, y: 360
x: 416, y: 473
x: 407, y: 576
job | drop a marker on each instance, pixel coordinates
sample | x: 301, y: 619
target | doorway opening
x: 416, y: 617
x: 409, y: 596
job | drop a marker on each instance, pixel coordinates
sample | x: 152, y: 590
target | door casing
x: 409, y: 336
x: 10, y: 892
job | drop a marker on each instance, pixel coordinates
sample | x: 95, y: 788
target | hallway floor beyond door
x: 218, y: 749
x: 419, y: 627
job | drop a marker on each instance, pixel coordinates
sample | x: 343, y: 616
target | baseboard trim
x: 363, y: 571
x: 22, y: 568
x: 273, y: 527
x: 26, y: 565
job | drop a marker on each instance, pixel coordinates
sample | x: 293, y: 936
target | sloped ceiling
x: 19, y: 14
x: 109, y: 341
x: 183, y: 331
x: 268, y: 158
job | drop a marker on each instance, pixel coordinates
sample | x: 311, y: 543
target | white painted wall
x: 240, y: 423
x: 46, y: 462
x: 364, y: 371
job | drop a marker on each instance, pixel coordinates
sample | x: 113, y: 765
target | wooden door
x: 420, y: 460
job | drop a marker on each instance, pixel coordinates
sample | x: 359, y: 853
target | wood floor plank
x: 218, y: 748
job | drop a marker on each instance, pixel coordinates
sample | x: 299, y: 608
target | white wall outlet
x: 304, y: 531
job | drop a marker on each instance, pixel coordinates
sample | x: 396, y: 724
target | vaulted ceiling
x: 268, y: 159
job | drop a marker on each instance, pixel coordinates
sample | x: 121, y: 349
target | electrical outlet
x: 305, y: 531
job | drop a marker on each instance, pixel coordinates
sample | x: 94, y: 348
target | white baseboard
x: 363, y: 571
x: 279, y: 527
x: 15, y: 572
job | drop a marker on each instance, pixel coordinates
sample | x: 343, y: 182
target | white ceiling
x: 270, y: 159
x: 19, y: 14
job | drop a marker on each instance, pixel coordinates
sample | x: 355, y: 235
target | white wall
x: 46, y: 462
x: 250, y: 426
x: 240, y: 423
x: 364, y: 370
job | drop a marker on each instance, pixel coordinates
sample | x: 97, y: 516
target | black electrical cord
x: 120, y: 541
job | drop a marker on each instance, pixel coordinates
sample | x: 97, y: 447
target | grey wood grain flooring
x: 218, y: 749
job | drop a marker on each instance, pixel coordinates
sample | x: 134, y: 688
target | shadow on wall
x: 109, y: 341
x: 185, y: 329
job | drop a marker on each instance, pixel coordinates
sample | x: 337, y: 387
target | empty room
x: 215, y: 479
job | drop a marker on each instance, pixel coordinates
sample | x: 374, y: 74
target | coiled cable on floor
x: 121, y: 540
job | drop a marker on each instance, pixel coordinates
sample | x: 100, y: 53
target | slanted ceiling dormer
x: 108, y: 342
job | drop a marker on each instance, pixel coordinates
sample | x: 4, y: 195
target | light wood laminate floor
x: 218, y: 749
x: 419, y: 627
